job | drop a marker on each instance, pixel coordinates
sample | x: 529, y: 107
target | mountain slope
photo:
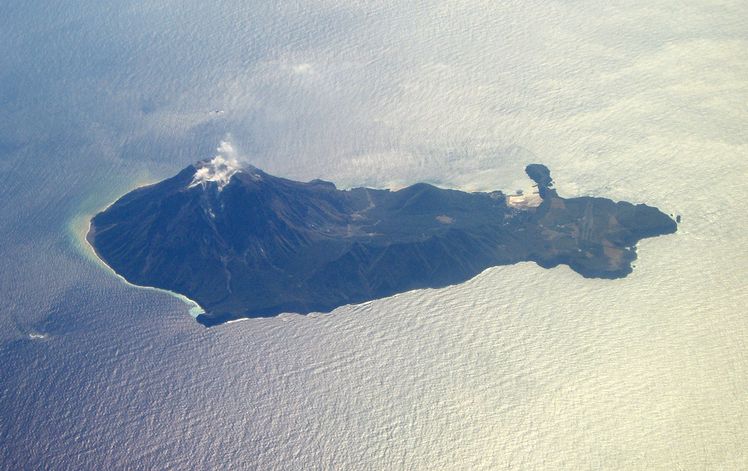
x: 243, y: 243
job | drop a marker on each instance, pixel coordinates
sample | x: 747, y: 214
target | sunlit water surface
x: 519, y: 368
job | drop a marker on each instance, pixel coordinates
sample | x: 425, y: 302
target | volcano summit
x: 243, y: 243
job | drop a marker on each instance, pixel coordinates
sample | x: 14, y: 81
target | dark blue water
x: 518, y: 368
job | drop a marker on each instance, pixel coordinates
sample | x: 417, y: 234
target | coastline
x: 557, y: 234
x: 80, y: 229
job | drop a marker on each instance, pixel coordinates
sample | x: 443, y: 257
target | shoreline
x: 81, y: 234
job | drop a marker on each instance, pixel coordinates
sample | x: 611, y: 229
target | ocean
x: 518, y: 368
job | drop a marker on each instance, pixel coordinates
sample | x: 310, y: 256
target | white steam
x: 219, y: 169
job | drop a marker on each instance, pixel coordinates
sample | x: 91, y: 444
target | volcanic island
x: 242, y: 243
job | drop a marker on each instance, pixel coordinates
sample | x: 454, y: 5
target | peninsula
x: 243, y: 243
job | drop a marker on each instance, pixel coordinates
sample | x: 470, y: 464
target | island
x: 243, y: 243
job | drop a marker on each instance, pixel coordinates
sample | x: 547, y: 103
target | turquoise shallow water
x: 519, y: 368
x: 79, y: 228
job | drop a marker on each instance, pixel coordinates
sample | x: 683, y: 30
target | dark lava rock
x: 256, y: 245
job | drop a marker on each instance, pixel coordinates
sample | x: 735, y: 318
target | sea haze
x: 520, y: 367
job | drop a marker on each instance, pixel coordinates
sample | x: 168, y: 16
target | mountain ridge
x: 243, y: 243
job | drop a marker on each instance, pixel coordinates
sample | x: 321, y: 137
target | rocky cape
x: 243, y: 243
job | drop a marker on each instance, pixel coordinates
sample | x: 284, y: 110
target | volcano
x: 243, y: 243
